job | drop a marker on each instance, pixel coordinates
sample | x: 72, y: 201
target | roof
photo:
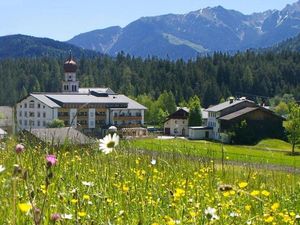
x: 131, y: 103
x: 60, y: 135
x: 245, y: 111
x: 6, y: 116
x: 183, y: 108
x: 227, y: 104
x: 238, y: 113
x: 200, y: 128
x: 99, y: 90
x: 43, y: 98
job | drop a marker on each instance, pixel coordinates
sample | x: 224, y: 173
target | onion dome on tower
x: 70, y: 65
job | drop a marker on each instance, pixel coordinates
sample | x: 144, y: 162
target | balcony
x: 127, y: 117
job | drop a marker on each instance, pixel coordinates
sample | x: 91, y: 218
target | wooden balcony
x: 127, y: 117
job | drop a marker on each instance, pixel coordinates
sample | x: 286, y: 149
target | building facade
x: 90, y: 110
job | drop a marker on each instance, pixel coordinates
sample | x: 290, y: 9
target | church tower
x: 70, y: 84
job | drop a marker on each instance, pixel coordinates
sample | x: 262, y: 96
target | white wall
x: 195, y: 134
x: 177, y: 124
x: 35, y: 115
x: 213, y: 122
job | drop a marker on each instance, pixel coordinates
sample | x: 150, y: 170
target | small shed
x: 3, y: 133
x: 200, y: 132
x: 58, y: 136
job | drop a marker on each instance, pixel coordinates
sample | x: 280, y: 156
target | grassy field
x: 87, y: 187
x: 266, y: 152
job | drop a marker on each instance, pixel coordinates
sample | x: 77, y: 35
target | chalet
x: 176, y: 124
x: 223, y: 117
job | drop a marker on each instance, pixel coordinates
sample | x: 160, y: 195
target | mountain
x: 291, y: 44
x: 198, y: 32
x: 15, y: 46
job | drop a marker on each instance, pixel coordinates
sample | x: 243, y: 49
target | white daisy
x: 2, y: 168
x: 108, y: 143
x: 88, y: 184
x: 234, y: 214
x: 66, y: 216
x: 153, y: 162
x: 211, y: 213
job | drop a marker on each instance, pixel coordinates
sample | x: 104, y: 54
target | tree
x: 56, y: 123
x: 282, y: 109
x: 195, y: 115
x: 292, y: 126
x: 166, y: 102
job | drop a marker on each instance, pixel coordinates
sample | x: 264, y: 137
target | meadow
x: 86, y: 186
x: 266, y: 152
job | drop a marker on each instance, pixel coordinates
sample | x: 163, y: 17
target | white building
x: 88, y: 109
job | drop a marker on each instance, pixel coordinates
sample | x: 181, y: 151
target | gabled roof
x: 227, y: 104
x: 245, y: 111
x: 60, y: 135
x: 43, y: 98
x: 99, y: 90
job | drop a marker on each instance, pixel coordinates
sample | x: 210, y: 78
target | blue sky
x: 62, y: 19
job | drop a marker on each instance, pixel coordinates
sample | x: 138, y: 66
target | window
x: 20, y: 113
x: 43, y: 106
x: 39, y: 105
x: 31, y: 104
x: 44, y: 123
x: 20, y: 106
x: 25, y: 114
x: 116, y: 114
x: 20, y: 122
x: 39, y: 114
x: 25, y: 122
x: 25, y: 105
x: 38, y: 123
x: 44, y: 114
x: 66, y: 87
x: 31, y: 114
x: 31, y: 123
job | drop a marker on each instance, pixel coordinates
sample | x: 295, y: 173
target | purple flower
x: 55, y: 217
x: 51, y: 160
x: 20, y: 148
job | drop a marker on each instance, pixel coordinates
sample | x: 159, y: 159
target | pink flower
x: 55, y: 217
x: 51, y: 160
x: 20, y: 148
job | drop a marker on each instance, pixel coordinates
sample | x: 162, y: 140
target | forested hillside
x: 211, y: 78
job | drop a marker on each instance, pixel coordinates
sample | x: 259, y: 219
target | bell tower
x: 70, y: 84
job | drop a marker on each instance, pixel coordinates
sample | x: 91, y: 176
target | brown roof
x: 245, y: 111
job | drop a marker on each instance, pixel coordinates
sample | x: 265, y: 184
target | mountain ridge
x: 212, y: 28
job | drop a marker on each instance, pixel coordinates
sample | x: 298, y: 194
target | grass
x: 260, y: 154
x: 124, y: 187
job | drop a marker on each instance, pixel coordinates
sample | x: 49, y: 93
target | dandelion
x: 269, y: 219
x: 82, y: 214
x: 66, y: 216
x: 86, y: 197
x: 211, y: 213
x: 2, y: 168
x: 51, y: 160
x: 24, y: 207
x: 255, y: 193
x: 88, y: 184
x: 20, y: 148
x: 275, y: 206
x: 55, y: 217
x: 265, y: 193
x: 243, y: 184
x: 108, y: 143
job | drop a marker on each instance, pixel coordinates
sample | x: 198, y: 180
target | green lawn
x: 266, y: 152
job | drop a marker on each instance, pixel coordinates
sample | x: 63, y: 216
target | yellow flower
x: 226, y: 194
x: 275, y: 206
x: 254, y: 193
x: 125, y: 188
x: 109, y: 200
x: 248, y: 207
x: 86, y: 197
x: 155, y: 224
x: 179, y: 193
x: 82, y: 214
x: 269, y: 219
x: 265, y: 193
x: 25, y: 207
x: 74, y: 201
x: 243, y: 184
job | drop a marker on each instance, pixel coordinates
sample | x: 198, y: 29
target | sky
x: 63, y: 19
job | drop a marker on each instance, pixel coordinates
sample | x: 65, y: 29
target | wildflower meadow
x: 112, y: 185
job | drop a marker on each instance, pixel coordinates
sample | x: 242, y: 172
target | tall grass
x: 126, y: 187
